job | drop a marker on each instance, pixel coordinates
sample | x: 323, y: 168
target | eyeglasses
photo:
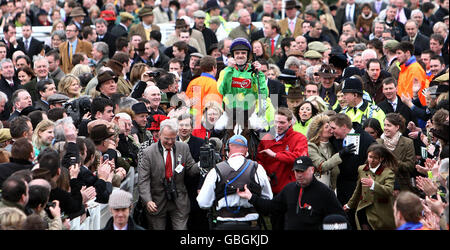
x: 71, y: 30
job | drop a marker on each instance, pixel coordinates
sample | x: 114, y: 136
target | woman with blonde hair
x: 274, y: 71
x: 137, y: 72
x: 43, y: 136
x: 58, y: 25
x: 211, y: 113
x: 11, y: 218
x: 70, y: 86
x: 321, y: 152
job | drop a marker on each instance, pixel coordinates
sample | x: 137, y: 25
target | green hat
x: 317, y: 46
x: 126, y: 16
x: 145, y: 11
x: 312, y: 54
x: 391, y: 45
x: 5, y: 135
x: 164, y: 99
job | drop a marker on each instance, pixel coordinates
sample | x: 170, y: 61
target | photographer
x: 233, y: 212
x: 38, y: 202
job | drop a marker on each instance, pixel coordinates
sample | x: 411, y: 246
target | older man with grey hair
x: 245, y: 28
x: 425, y: 29
x: 161, y: 174
x: 41, y: 68
x: 8, y: 84
x: 100, y: 54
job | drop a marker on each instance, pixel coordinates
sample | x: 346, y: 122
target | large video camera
x: 209, y: 155
x: 78, y: 108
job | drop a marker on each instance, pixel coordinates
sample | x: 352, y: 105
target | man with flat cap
x: 57, y: 100
x: 208, y: 35
x: 146, y: 26
x: 305, y: 203
x: 120, y: 205
x: 222, y: 183
x: 121, y: 29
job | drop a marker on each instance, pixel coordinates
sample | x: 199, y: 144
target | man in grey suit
x: 161, y: 179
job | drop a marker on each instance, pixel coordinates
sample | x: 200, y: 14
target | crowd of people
x: 332, y: 116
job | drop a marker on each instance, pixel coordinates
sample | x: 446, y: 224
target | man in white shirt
x: 234, y: 212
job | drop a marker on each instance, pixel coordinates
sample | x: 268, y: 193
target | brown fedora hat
x: 77, y: 11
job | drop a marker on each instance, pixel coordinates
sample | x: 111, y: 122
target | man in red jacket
x: 278, y: 153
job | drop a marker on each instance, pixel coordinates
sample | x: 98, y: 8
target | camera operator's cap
x: 235, y: 140
x: 139, y: 108
x: 302, y: 163
x: 57, y: 98
x: 120, y: 199
x: 352, y: 85
x: 145, y: 11
x: 196, y: 54
x: 5, y: 135
x: 124, y: 16
x: 317, y: 46
x: 312, y: 54
x: 200, y: 14
x: 77, y: 11
x: 100, y: 132
x: 335, y: 222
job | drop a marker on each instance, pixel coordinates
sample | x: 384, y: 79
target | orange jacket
x: 408, y: 71
x: 205, y: 88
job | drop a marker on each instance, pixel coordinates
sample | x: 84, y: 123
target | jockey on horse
x: 248, y: 109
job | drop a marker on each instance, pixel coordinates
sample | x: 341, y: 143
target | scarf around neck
x: 391, y: 143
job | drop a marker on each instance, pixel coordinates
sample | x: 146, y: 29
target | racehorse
x: 239, y: 122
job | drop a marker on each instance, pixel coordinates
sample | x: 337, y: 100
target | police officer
x: 222, y: 182
x: 359, y: 109
x: 305, y: 202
